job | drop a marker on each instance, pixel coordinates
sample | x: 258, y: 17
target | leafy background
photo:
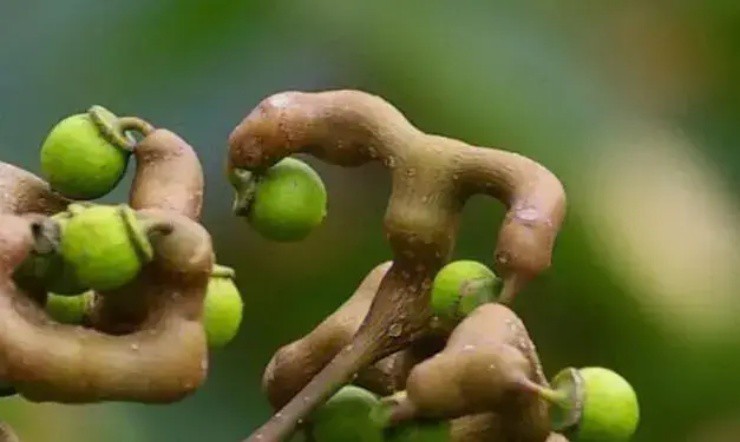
x: 634, y: 104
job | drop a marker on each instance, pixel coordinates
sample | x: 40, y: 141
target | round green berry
x: 107, y: 245
x: 69, y: 309
x: 594, y: 404
x: 420, y: 431
x: 346, y: 417
x: 79, y: 162
x: 289, y: 201
x: 222, y: 312
x: 460, y: 287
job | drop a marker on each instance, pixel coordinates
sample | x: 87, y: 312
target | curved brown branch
x: 432, y: 176
x: 295, y: 364
x: 486, y: 367
x: 168, y: 176
x: 163, y: 361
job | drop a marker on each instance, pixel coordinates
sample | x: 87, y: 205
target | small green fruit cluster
x: 354, y: 414
x: 222, y: 312
x: 460, y: 287
x: 79, y: 161
x: 594, y: 404
x: 284, y: 203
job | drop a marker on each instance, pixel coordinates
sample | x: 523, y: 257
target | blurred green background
x: 634, y: 104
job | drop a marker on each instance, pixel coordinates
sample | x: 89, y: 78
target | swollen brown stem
x: 168, y: 175
x: 432, y: 178
x: 489, y: 365
x: 163, y: 361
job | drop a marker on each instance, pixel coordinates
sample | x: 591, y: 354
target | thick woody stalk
x: 432, y: 177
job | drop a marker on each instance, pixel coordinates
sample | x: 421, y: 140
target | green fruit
x: 107, y: 245
x: 289, y: 201
x: 346, y: 417
x: 460, y: 287
x: 69, y: 309
x: 596, y: 405
x: 222, y: 313
x: 420, y: 431
x: 79, y: 162
x: 49, y: 270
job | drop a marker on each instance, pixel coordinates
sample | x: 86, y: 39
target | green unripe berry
x: 79, y: 162
x: 222, y: 312
x: 595, y: 404
x: 346, y: 417
x: 460, y: 287
x: 107, y: 245
x: 420, y: 431
x: 289, y: 201
x: 69, y: 309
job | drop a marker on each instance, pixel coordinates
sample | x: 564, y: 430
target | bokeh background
x: 634, y: 104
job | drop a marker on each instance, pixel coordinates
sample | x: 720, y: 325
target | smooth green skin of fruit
x: 69, y: 309
x: 420, y: 431
x: 346, y: 417
x: 79, y: 162
x: 222, y: 312
x: 106, y: 245
x: 611, y: 412
x: 289, y: 201
x: 447, y: 301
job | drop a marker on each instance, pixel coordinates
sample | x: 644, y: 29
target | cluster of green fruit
x: 92, y: 248
x: 591, y: 404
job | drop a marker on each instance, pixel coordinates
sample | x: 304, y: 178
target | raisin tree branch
x: 162, y: 362
x: 486, y: 367
x: 169, y: 175
x: 432, y: 177
x: 146, y: 342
